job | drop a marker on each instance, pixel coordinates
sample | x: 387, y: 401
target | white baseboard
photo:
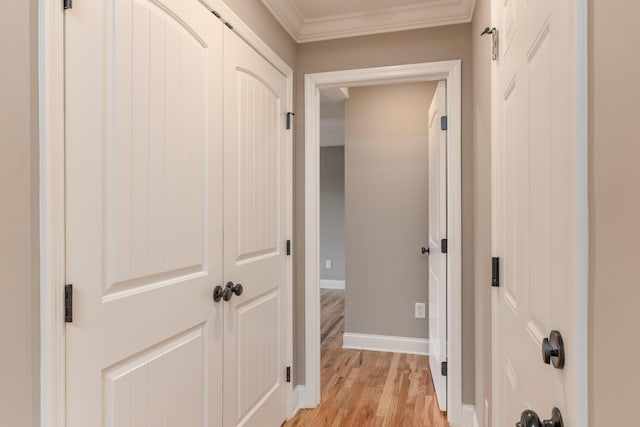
x: 469, y: 416
x: 300, y: 400
x: 331, y: 284
x: 385, y: 343
x: 298, y: 396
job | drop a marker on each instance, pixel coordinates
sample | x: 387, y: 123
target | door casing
x: 581, y: 338
x: 451, y: 72
x: 52, y: 198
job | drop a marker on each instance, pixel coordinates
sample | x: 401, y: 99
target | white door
x: 534, y: 210
x: 255, y: 233
x: 438, y: 232
x: 144, y: 213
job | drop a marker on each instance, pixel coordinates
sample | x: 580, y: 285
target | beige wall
x: 614, y: 210
x: 332, y: 245
x: 406, y: 47
x: 262, y: 22
x: 386, y: 192
x: 482, y: 204
x: 19, y: 304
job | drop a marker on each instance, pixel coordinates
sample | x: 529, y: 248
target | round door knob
x: 425, y: 250
x: 231, y: 289
x: 217, y: 293
x: 237, y: 289
x: 530, y: 419
x: 553, y: 350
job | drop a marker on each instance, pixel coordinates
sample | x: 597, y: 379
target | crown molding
x: 445, y: 12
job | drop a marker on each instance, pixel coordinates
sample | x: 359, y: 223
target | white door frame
x: 52, y: 198
x: 431, y: 71
x: 581, y: 339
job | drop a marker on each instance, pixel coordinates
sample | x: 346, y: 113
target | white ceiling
x: 312, y: 20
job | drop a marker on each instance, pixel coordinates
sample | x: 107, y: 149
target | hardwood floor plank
x: 368, y: 388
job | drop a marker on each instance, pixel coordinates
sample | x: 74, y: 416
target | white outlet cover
x: 421, y: 310
x: 328, y: 264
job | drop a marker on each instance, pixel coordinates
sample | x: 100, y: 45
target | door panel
x: 144, y: 208
x: 534, y: 219
x: 437, y: 232
x: 255, y: 390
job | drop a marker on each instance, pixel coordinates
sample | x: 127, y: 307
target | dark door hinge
x: 443, y: 369
x: 289, y: 116
x: 288, y: 374
x: 68, y: 303
x: 443, y: 246
x: 495, y: 271
x: 288, y: 247
x: 444, y: 123
x: 67, y: 4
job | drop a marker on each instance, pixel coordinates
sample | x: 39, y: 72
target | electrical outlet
x: 421, y: 310
x: 486, y: 413
x: 328, y: 264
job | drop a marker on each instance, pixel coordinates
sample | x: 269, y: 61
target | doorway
x: 448, y: 71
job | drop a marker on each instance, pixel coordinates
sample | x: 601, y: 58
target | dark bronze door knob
x: 231, y: 289
x: 217, y: 293
x: 553, y: 350
x: 530, y: 419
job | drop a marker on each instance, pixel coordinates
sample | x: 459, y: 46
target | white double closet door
x: 176, y: 182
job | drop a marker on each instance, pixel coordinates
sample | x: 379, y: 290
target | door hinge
x: 288, y: 374
x: 288, y: 247
x: 443, y: 246
x: 494, y: 41
x: 444, y: 123
x: 443, y: 369
x: 67, y: 4
x: 68, y: 303
x: 289, y: 116
x: 495, y: 271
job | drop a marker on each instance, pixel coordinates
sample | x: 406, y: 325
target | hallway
x: 366, y: 388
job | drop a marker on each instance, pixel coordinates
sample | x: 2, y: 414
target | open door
x: 437, y: 244
x: 534, y: 213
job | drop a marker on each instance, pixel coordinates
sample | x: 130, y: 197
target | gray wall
x: 614, y: 212
x: 19, y: 301
x: 482, y: 206
x: 386, y: 155
x: 332, y: 212
x: 404, y: 47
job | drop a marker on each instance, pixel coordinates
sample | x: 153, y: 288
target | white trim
x: 385, y: 343
x: 408, y: 17
x: 469, y: 416
x: 52, y: 225
x: 296, y: 400
x: 433, y: 71
x: 303, y: 397
x: 331, y: 284
x: 582, y: 216
x: 289, y: 285
x: 52, y: 199
x: 495, y: 221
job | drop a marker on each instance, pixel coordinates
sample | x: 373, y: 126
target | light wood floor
x: 368, y: 388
